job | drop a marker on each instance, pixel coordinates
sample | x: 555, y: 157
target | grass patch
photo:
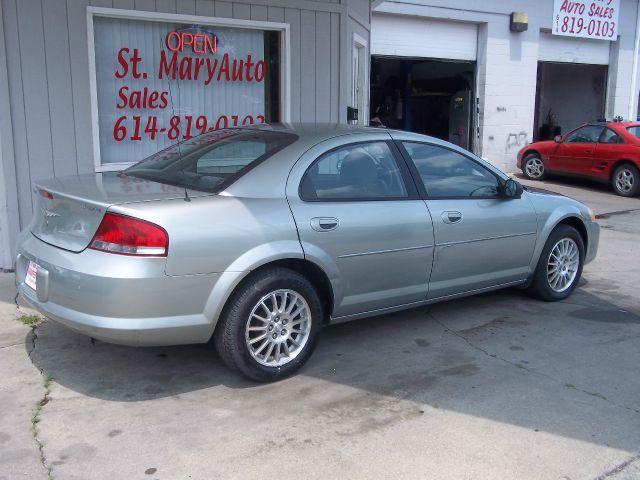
x: 31, y: 321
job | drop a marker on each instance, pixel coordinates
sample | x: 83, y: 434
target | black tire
x: 626, y: 180
x: 229, y: 336
x: 540, y: 286
x: 528, y: 172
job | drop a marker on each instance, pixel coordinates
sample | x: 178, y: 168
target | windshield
x: 634, y: 131
x: 211, y: 161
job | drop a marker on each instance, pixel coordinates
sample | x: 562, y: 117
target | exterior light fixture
x: 519, y: 22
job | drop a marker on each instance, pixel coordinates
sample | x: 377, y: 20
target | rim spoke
x: 268, y: 354
x: 283, y: 302
x: 294, y: 302
x: 257, y: 329
x: 257, y: 339
x: 264, y: 344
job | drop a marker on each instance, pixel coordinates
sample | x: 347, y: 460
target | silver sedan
x: 258, y: 237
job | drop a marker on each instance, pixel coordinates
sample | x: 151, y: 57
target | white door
x: 358, y: 78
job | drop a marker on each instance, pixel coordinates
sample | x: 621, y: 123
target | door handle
x: 451, y: 217
x: 324, y: 224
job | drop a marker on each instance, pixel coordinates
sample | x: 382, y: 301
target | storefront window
x: 158, y: 83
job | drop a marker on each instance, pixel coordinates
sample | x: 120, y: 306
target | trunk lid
x: 68, y: 210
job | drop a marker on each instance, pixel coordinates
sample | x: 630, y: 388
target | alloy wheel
x: 278, y: 328
x: 624, y: 180
x: 534, y: 167
x: 563, y: 264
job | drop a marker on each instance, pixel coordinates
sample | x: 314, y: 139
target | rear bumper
x: 114, y: 298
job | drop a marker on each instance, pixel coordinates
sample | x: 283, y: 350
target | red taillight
x: 130, y: 236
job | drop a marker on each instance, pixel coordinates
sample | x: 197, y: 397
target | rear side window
x: 449, y: 174
x: 634, y: 131
x: 363, y: 171
x: 212, y: 161
x: 611, y: 137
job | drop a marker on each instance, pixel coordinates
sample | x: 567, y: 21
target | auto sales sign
x: 158, y: 83
x: 596, y: 19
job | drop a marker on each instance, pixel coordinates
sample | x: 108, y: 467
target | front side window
x: 363, y: 171
x: 449, y: 174
x: 586, y: 134
x: 611, y: 137
x: 213, y: 160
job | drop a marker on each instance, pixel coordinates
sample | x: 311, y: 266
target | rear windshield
x: 212, y: 161
x: 634, y: 131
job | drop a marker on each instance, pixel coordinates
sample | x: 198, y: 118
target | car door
x: 359, y: 216
x: 576, y: 152
x: 481, y: 239
x: 610, y: 148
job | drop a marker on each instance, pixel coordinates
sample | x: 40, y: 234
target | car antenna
x: 173, y: 114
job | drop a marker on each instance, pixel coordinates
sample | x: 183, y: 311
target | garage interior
x: 428, y: 96
x: 568, y: 95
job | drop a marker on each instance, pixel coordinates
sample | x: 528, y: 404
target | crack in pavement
x: 618, y: 212
x: 12, y: 345
x: 619, y: 468
x: 36, y: 418
x: 529, y: 369
x: 46, y: 382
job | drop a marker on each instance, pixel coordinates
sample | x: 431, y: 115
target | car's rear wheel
x: 270, y: 325
x: 560, y: 265
x: 533, y: 167
x: 626, y: 180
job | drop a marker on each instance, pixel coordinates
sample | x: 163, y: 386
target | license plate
x: 32, y: 272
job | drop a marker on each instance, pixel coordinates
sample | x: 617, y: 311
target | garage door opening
x: 433, y: 97
x: 568, y: 95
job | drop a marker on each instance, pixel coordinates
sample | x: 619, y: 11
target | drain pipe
x: 633, y: 96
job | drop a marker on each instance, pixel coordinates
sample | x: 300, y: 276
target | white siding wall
x: 45, y: 100
x: 507, y: 64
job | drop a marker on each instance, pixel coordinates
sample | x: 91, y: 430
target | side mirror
x: 512, y: 189
x: 558, y: 138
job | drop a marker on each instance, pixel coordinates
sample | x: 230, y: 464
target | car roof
x: 317, y: 131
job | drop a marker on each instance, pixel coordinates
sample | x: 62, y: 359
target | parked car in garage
x: 258, y: 237
x: 608, y: 152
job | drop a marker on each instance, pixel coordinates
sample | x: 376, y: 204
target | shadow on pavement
x: 577, y: 182
x: 565, y: 368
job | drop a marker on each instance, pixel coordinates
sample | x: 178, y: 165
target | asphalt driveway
x: 490, y: 387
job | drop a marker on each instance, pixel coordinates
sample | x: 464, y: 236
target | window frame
x: 187, y: 19
x: 422, y: 189
x: 405, y: 174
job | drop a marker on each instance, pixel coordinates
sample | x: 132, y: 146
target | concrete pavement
x: 490, y: 387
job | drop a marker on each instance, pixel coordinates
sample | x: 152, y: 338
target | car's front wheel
x: 270, y: 325
x: 560, y: 265
x: 533, y: 167
x: 626, y: 180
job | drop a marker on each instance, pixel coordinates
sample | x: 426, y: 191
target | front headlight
x: 592, y: 214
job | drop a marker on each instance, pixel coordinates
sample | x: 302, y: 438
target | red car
x: 609, y: 152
